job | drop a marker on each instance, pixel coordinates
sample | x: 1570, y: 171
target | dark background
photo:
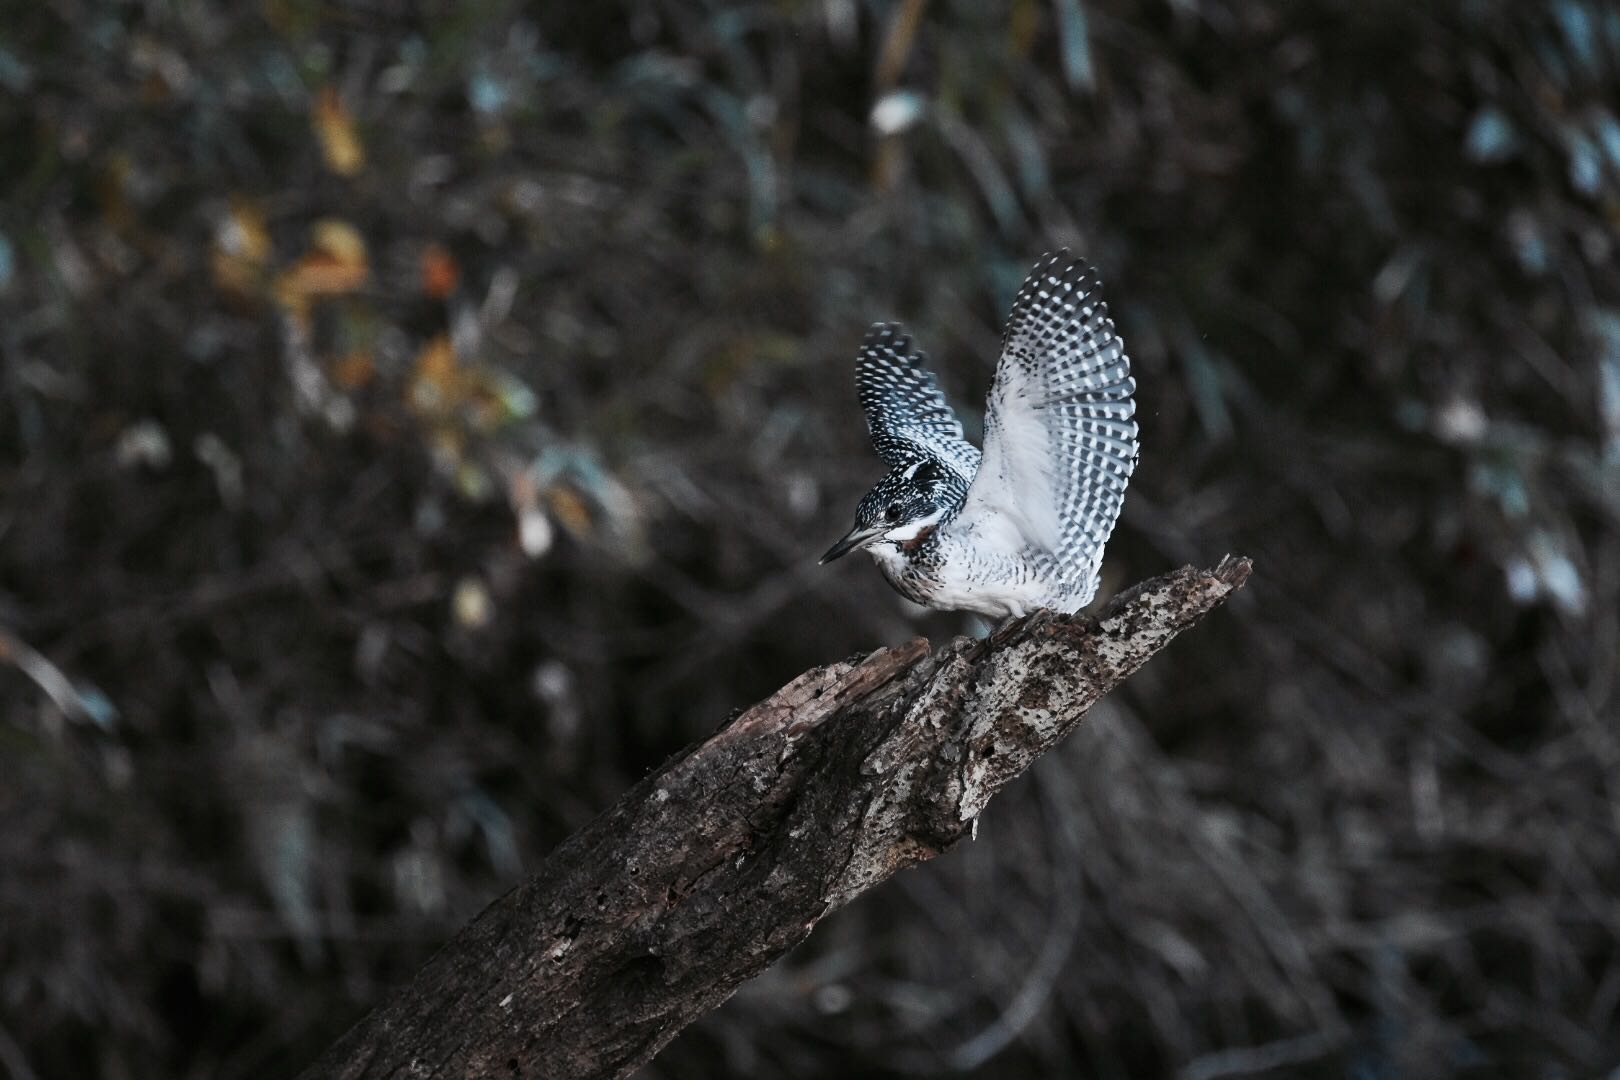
x: 416, y: 422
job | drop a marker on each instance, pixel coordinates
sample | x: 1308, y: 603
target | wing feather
x: 1060, y: 439
x: 905, y: 410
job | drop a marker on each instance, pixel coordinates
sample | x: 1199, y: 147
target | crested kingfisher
x: 1021, y: 525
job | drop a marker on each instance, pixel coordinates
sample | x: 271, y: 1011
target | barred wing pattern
x: 905, y: 410
x: 1060, y: 438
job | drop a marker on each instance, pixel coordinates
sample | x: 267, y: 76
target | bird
x: 1021, y: 525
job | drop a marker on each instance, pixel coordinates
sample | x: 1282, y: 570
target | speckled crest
x: 912, y: 491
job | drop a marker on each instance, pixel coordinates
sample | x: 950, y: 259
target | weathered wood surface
x: 707, y: 871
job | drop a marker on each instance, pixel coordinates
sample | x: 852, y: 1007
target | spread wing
x: 1059, y: 433
x: 905, y: 410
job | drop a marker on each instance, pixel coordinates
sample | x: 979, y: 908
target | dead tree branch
x: 706, y: 872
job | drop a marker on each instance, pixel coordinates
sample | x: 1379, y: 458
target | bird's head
x: 905, y: 506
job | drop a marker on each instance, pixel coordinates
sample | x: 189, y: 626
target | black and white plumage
x: 1023, y: 525
x: 905, y: 409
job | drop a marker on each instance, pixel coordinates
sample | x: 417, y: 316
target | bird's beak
x: 858, y: 537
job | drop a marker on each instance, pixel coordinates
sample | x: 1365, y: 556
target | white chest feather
x: 956, y: 584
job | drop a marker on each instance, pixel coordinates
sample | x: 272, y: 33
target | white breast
x: 991, y: 583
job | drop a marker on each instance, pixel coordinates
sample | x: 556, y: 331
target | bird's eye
x: 892, y: 513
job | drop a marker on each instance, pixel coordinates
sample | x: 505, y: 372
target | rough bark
x: 710, y: 869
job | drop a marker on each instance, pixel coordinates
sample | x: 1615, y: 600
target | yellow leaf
x: 334, y: 127
x: 437, y: 360
x: 436, y: 380
x: 334, y: 265
x: 241, y: 248
x: 340, y: 240
x: 568, y: 508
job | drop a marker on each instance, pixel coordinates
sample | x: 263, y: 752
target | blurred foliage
x: 416, y: 421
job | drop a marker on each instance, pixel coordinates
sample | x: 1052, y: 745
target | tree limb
x: 707, y: 871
